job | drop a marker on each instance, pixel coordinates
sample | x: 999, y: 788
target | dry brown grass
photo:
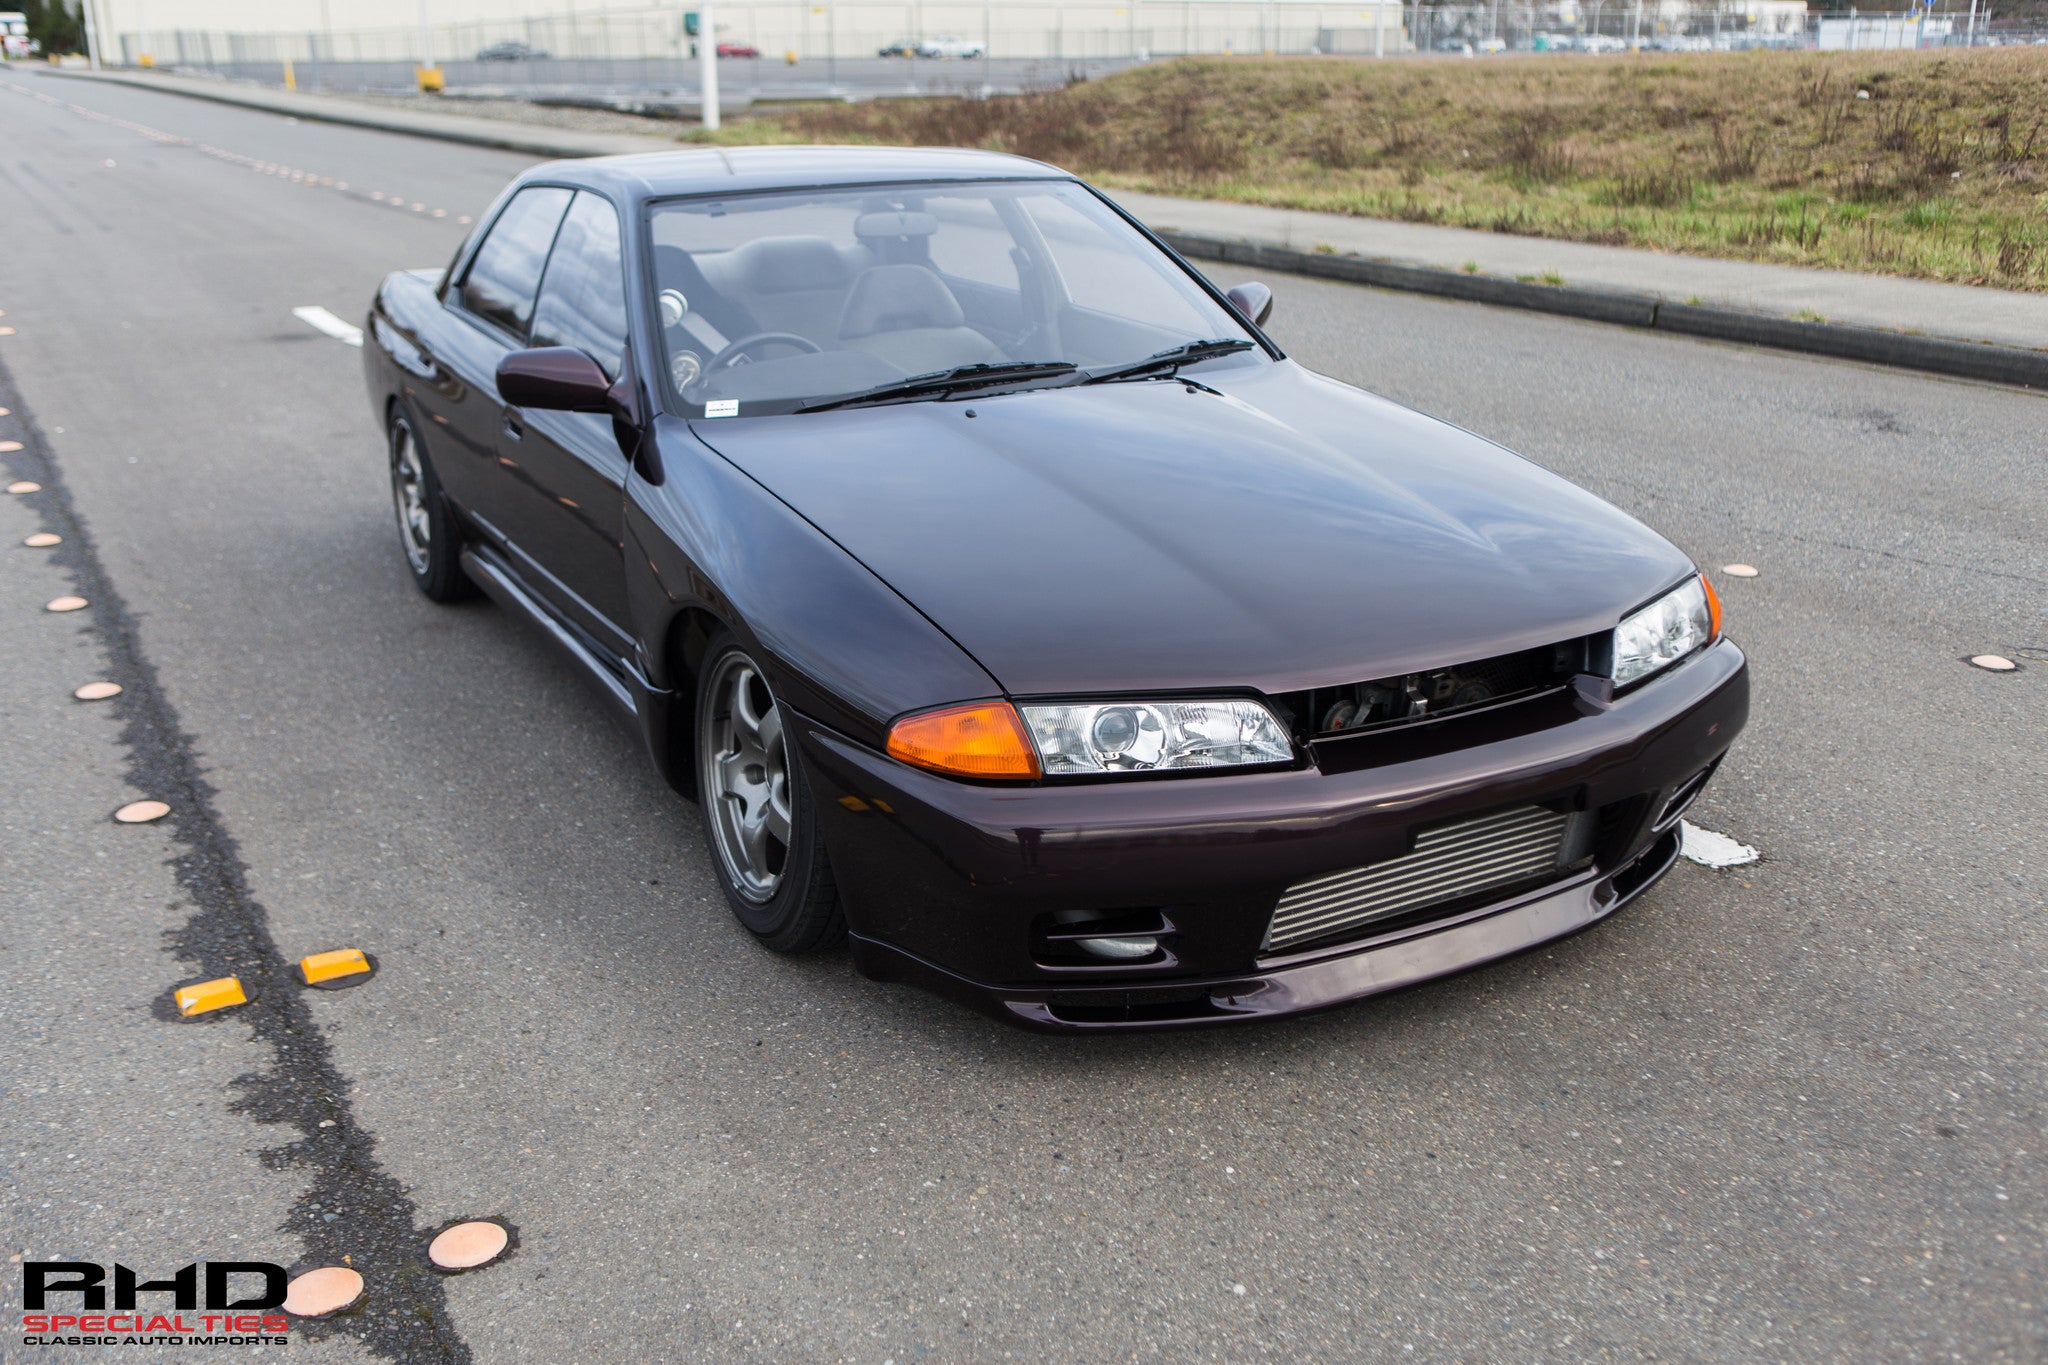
x: 1916, y: 163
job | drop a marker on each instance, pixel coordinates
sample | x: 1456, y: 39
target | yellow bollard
x: 145, y: 60
x: 790, y: 57
x: 430, y: 78
x: 291, y: 82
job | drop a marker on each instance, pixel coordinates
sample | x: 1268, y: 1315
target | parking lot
x: 1789, y: 1111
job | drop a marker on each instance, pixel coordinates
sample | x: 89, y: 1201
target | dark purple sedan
x: 1013, y: 607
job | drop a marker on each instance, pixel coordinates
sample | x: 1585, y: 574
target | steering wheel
x: 733, y: 354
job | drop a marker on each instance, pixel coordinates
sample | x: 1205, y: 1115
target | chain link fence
x: 838, y: 49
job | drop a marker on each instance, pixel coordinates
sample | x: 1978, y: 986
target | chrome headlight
x: 1135, y: 737
x: 1666, y: 631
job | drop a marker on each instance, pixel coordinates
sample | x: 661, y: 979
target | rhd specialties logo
x: 226, y: 1320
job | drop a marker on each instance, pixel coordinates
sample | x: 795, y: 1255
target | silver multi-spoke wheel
x: 409, y: 498
x: 744, y: 778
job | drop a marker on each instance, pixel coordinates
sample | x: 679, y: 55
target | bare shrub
x: 1530, y: 151
x: 1654, y: 187
x: 1734, y: 156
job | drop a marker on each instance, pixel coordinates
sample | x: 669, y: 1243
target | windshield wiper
x: 1167, y: 361
x: 941, y: 382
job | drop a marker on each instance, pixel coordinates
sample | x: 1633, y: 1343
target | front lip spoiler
x: 1302, y: 988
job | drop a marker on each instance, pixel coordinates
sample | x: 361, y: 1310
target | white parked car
x: 946, y: 46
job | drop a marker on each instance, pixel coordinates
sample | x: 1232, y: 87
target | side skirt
x: 615, y: 677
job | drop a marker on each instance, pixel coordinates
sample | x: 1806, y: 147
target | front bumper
x: 951, y: 883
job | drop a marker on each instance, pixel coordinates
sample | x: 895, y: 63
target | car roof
x: 710, y: 170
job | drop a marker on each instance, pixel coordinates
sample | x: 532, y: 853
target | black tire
x: 760, y: 823
x: 427, y: 532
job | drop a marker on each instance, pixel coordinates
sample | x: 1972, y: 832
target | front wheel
x: 757, y: 809
x: 426, y: 526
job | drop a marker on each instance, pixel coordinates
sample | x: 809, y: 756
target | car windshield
x: 774, y: 302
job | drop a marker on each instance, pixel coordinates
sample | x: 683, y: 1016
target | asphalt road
x: 1788, y: 1112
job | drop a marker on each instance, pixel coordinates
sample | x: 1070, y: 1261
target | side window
x: 583, y: 296
x: 504, y: 276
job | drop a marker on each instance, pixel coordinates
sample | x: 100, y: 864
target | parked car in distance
x: 948, y: 46
x: 1011, y: 604
x: 902, y: 47
x: 14, y: 40
x: 738, y: 50
x: 511, y: 52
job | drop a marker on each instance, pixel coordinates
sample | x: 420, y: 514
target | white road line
x: 1709, y: 849
x: 320, y: 319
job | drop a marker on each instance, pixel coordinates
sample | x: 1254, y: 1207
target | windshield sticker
x: 722, y: 407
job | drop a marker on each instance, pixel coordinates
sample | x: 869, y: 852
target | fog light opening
x: 1082, y: 938
x: 1118, y: 949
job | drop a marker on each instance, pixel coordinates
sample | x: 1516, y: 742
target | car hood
x: 1287, y: 532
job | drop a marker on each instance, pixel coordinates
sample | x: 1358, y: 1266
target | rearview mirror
x: 557, y: 378
x: 1253, y: 300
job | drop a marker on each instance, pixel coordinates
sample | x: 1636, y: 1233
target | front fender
x: 709, y: 544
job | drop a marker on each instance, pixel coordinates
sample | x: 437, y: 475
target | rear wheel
x: 426, y: 526
x: 758, y: 816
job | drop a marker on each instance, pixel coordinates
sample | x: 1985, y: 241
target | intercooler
x: 1454, y: 862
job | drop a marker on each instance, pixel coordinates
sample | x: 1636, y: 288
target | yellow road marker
x: 1995, y: 663
x: 209, y: 995
x: 6, y: 331
x: 317, y: 1293
x: 9, y: 447
x: 468, y: 1245
x: 97, y: 691
x: 24, y: 486
x: 141, y: 812
x: 64, y: 604
x: 342, y: 962
x: 1739, y: 570
x: 6, y: 411
x: 43, y: 540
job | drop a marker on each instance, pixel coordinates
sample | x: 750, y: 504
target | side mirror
x: 1253, y: 300
x: 557, y: 378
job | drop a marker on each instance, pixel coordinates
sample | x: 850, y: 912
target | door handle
x: 514, y: 428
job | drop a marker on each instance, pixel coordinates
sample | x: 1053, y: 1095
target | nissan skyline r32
x: 1012, y: 606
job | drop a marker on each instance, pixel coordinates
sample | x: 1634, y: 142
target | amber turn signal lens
x: 1713, y: 608
x: 979, y: 739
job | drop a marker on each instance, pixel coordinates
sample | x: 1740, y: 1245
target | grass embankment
x: 1910, y: 163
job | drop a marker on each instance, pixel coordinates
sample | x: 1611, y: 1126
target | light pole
x: 92, y: 35
x: 707, y: 58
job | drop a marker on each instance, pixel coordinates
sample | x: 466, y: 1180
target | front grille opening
x: 1452, y: 867
x: 1385, y: 703
x: 1102, y: 938
x: 1130, y: 1007
x: 1620, y: 830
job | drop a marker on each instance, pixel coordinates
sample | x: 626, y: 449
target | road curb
x: 514, y: 137
x: 1937, y: 355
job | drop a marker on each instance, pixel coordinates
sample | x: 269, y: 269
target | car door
x: 490, y: 309
x: 569, y: 524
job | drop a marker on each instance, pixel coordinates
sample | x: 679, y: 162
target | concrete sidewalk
x: 1793, y: 298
